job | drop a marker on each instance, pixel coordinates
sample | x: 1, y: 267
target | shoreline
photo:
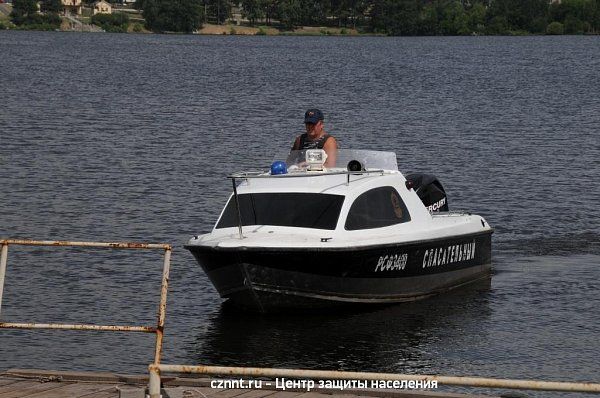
x: 243, y: 30
x: 265, y: 30
x: 230, y: 29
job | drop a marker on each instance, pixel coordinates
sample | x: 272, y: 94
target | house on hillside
x: 72, y: 7
x: 102, y: 7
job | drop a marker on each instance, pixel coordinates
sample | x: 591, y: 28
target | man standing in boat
x: 316, y: 137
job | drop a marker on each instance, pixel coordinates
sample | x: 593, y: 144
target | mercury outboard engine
x: 430, y: 190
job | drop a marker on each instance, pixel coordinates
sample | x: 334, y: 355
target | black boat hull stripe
x: 263, y: 277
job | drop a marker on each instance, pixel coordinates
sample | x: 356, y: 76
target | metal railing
x: 158, y: 329
x: 482, y: 382
x: 156, y: 367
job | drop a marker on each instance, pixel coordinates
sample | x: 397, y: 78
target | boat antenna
x: 237, y: 207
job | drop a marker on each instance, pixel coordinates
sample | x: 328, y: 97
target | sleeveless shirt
x: 305, y: 143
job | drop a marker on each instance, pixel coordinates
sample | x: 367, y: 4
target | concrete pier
x: 32, y: 383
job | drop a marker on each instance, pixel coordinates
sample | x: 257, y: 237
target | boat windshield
x: 304, y: 210
x: 371, y: 160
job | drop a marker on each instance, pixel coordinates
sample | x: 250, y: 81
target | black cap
x: 313, y: 116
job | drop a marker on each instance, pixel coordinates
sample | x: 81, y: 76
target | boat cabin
x: 363, y: 194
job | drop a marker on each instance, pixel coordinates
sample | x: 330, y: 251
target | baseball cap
x: 313, y: 116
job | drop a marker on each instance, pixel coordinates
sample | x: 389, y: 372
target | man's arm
x: 296, y: 144
x: 330, y: 147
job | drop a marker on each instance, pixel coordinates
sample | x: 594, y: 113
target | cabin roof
x: 318, y: 182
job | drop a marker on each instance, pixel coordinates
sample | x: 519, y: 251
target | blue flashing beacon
x: 278, y: 167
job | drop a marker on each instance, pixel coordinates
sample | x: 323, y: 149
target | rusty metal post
x: 3, y: 259
x: 154, y: 382
x: 162, y: 307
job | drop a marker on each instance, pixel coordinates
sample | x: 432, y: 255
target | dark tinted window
x: 307, y: 210
x: 377, y: 208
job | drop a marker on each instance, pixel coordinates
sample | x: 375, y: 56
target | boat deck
x: 31, y: 383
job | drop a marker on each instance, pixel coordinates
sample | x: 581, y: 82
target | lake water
x: 129, y: 138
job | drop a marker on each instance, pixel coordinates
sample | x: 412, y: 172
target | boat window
x: 371, y: 160
x: 304, y: 210
x: 379, y: 207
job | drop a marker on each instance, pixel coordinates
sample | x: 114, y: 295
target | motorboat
x: 303, y: 235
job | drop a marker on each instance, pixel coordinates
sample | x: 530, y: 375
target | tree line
x: 390, y: 17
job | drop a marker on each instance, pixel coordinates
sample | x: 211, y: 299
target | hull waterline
x: 271, y: 279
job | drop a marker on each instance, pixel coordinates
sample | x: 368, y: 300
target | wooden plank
x: 112, y: 393
x: 187, y: 392
x: 315, y: 394
x: 17, y: 385
x: 21, y: 385
x: 234, y: 392
x: 189, y: 381
x: 27, y: 387
x: 285, y: 394
x: 72, y: 390
x: 200, y: 391
x: 65, y: 375
x: 53, y: 375
x: 257, y: 393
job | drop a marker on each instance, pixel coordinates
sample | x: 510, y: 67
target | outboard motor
x: 430, y: 190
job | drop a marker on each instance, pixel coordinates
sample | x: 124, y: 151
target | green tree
x: 555, y: 28
x: 345, y: 12
x: 139, y: 4
x: 116, y: 23
x: 396, y: 17
x: 557, y: 12
x: 172, y: 15
x: 313, y: 12
x: 596, y: 17
x: 574, y: 25
x: 289, y: 13
x: 253, y: 10
x: 429, y: 24
x: 217, y: 11
x: 476, y: 18
x: 527, y: 15
x: 496, y: 25
x: 358, y: 9
x: 269, y: 8
x: 577, y: 16
x: 454, y: 20
x: 23, y: 10
x: 54, y: 6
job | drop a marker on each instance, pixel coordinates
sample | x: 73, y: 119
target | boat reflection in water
x: 416, y: 337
